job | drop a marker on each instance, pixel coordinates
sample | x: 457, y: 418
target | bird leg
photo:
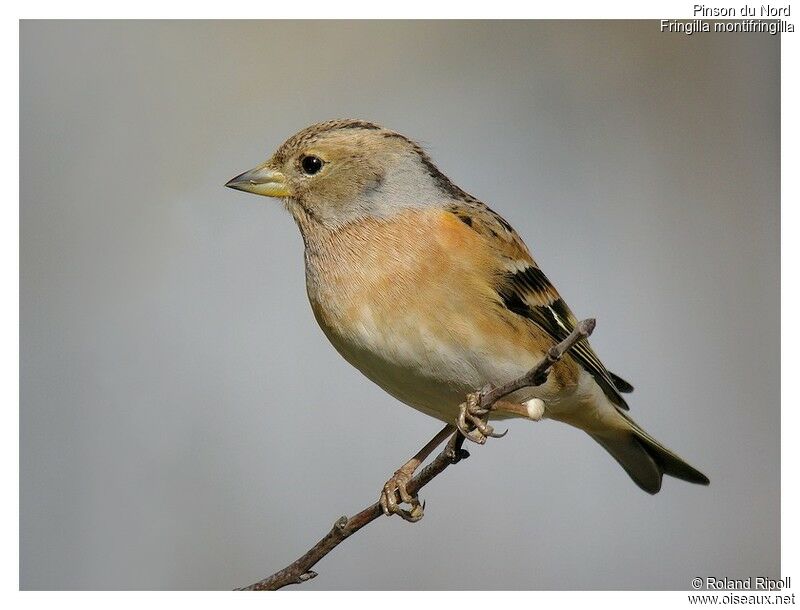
x: 473, y: 419
x: 395, y: 491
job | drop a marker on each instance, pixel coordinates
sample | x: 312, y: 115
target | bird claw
x: 471, y: 421
x: 396, y: 488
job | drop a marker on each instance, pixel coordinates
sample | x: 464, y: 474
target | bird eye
x: 311, y: 164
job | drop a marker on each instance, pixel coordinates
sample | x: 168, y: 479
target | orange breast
x: 416, y: 293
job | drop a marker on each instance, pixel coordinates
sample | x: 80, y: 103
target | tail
x: 645, y: 459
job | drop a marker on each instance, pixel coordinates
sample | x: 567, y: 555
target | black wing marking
x: 529, y: 293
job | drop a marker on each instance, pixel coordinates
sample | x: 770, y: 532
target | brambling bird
x: 432, y: 295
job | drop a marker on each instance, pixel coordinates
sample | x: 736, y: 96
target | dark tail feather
x: 646, y: 460
x: 619, y: 383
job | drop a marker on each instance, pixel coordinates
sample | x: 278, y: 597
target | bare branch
x: 538, y: 374
x: 300, y: 570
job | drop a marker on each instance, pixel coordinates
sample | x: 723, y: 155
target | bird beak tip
x: 240, y: 182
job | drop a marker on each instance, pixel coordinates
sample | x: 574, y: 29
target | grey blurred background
x: 185, y: 424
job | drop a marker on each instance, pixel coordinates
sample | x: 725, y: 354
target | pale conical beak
x: 261, y: 181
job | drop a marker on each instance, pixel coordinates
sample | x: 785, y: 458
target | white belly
x: 420, y: 369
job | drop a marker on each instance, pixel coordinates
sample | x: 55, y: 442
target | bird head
x: 340, y: 171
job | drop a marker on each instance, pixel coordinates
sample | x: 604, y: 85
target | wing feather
x: 525, y: 290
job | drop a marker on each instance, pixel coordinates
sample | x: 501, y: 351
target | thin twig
x: 538, y: 374
x: 300, y: 570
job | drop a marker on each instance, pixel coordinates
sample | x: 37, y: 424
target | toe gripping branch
x: 473, y: 418
x: 473, y: 415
